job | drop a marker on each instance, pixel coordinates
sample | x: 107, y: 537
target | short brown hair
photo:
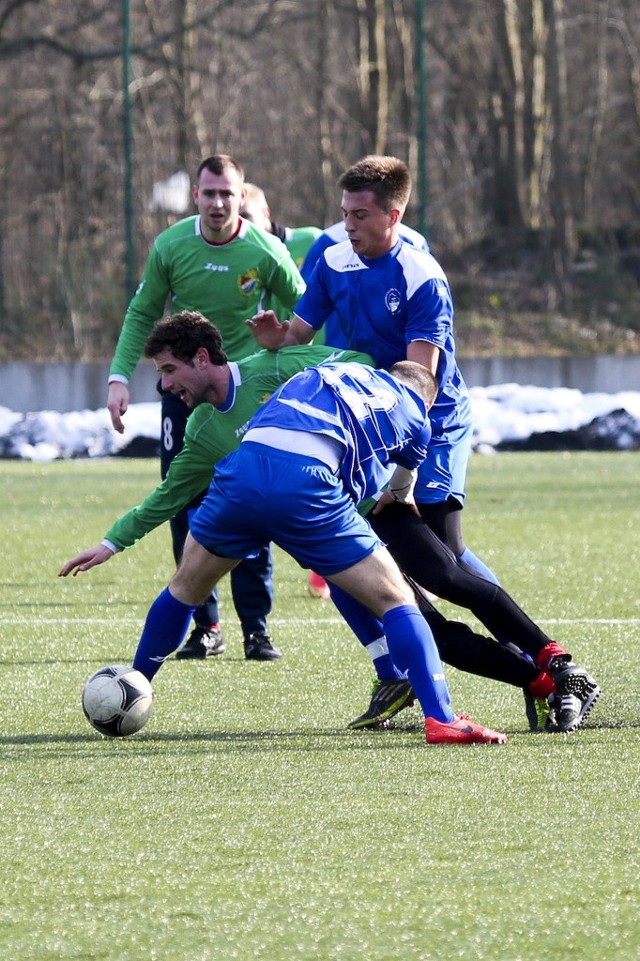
x: 418, y: 378
x: 184, y: 334
x: 386, y: 177
x: 219, y: 164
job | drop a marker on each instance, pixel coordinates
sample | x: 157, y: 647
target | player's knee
x: 396, y: 594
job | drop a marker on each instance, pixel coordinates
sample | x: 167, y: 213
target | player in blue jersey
x: 393, y: 301
x: 327, y: 439
x: 331, y: 331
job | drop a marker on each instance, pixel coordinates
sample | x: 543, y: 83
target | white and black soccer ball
x: 117, y: 700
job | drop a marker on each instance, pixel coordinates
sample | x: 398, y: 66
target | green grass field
x: 245, y: 822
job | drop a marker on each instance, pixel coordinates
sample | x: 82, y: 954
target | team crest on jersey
x: 248, y: 282
x: 392, y: 300
x: 265, y: 397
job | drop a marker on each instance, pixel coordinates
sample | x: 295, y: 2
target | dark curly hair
x: 184, y: 334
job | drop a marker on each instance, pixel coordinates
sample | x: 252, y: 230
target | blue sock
x: 369, y: 631
x: 478, y: 566
x: 414, y: 650
x: 164, y: 631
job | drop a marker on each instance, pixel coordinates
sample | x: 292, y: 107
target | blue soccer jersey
x: 383, y: 305
x: 373, y: 419
x: 332, y: 332
x: 336, y: 234
x: 386, y: 303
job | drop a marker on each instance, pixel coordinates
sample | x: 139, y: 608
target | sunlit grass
x: 245, y: 822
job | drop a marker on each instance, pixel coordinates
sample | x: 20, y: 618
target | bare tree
x: 522, y: 98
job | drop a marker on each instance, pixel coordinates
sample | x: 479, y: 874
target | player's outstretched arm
x: 86, y: 560
x: 272, y: 335
x: 117, y: 403
x: 267, y: 330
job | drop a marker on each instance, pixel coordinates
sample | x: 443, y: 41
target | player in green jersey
x: 212, y: 430
x: 223, y: 266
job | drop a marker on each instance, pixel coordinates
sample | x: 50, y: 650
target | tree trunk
x: 563, y: 230
x: 510, y: 97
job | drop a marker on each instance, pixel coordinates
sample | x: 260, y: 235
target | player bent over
x: 325, y: 441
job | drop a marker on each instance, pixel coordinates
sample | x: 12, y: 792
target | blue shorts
x: 261, y: 494
x: 443, y: 473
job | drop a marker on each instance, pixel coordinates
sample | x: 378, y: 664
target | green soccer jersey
x: 299, y: 240
x: 227, y: 283
x: 213, y: 432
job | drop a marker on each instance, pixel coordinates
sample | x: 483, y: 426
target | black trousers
x: 421, y: 555
x: 252, y: 580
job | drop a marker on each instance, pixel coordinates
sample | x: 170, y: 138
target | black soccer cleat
x: 576, y: 693
x: 387, y: 699
x: 202, y: 642
x: 259, y: 647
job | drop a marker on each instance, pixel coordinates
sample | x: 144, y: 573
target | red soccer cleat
x: 461, y: 730
x: 317, y: 587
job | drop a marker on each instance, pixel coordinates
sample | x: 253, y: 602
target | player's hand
x: 388, y: 498
x: 267, y: 329
x: 117, y: 403
x: 86, y: 560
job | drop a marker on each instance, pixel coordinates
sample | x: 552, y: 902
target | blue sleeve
x: 316, y: 304
x: 430, y: 315
x: 313, y: 255
x: 414, y: 453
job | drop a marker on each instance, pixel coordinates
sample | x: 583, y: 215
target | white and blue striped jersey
x: 373, y: 418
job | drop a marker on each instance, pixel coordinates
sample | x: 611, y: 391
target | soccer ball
x: 117, y: 700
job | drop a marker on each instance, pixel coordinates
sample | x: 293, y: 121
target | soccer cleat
x: 317, y: 587
x: 202, y: 642
x: 387, y: 699
x: 461, y: 730
x: 259, y: 647
x: 540, y: 713
x: 576, y: 693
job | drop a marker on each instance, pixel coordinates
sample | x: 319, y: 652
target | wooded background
x: 520, y: 120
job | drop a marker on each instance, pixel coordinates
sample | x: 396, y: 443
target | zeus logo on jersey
x: 220, y: 268
x: 392, y: 300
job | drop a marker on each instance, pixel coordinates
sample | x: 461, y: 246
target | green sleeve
x: 146, y: 308
x: 286, y: 283
x: 190, y: 473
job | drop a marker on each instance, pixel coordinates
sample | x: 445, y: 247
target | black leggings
x: 421, y: 554
x: 445, y: 520
x: 468, y: 651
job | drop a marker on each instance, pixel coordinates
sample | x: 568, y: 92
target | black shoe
x: 203, y: 642
x: 576, y: 693
x: 259, y: 647
x: 387, y: 699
